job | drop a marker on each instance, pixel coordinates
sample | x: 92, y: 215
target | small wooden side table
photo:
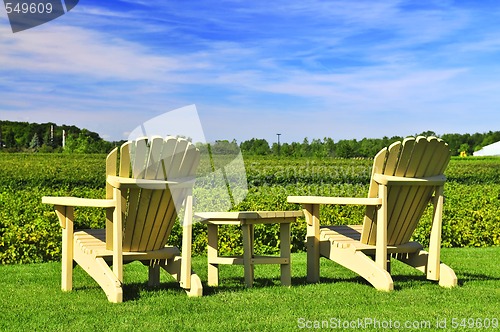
x: 247, y: 220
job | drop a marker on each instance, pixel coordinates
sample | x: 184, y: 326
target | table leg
x: 286, y: 276
x: 212, y: 253
x: 252, y: 241
x: 248, y: 253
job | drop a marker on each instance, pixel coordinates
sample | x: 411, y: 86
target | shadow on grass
x: 133, y: 291
x: 400, y: 282
x: 465, y: 277
x: 236, y: 284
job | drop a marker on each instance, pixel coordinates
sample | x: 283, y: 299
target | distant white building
x: 489, y: 150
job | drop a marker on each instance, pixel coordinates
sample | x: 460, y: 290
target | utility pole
x: 278, y: 144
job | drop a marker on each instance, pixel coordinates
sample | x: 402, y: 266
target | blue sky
x: 341, y: 69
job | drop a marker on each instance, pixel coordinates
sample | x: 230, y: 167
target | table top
x: 208, y: 217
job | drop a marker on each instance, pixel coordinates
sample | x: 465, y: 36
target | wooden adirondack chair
x: 406, y: 177
x: 147, y: 184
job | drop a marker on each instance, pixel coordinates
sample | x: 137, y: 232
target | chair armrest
x: 334, y: 200
x: 404, y: 181
x: 128, y: 183
x: 75, y: 201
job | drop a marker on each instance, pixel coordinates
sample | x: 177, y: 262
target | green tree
x: 329, y: 147
x: 225, y: 147
x: 35, y: 142
x: 10, y: 140
x: 305, y: 148
x: 427, y: 133
x: 464, y: 148
x: 344, y: 149
x: 256, y: 146
x: 317, y: 149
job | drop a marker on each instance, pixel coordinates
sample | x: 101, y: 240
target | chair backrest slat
x: 124, y: 167
x: 111, y: 161
x: 371, y: 211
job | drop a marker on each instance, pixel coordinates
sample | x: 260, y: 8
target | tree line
x: 48, y: 137
x: 460, y: 144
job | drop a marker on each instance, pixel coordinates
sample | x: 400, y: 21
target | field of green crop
x: 29, y: 230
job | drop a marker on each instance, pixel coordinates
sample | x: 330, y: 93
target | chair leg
x: 173, y: 267
x: 153, y: 275
x: 363, y: 265
x: 447, y: 277
x: 311, y: 212
x: 419, y: 261
x: 196, y: 289
x: 100, y: 271
x: 67, y: 258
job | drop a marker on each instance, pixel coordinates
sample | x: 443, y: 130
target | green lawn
x: 31, y: 299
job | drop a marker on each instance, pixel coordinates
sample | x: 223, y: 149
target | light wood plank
x: 237, y: 216
x: 77, y: 201
x: 67, y: 250
x: 152, y: 224
x: 212, y: 255
x: 398, y: 165
x: 138, y: 204
x: 154, y: 154
x: 285, y: 267
x: 435, y: 180
x: 311, y: 212
x: 131, y: 215
x: 166, y: 220
x: 247, y: 254
x: 418, y: 197
x: 433, y: 263
x: 177, y: 159
x: 111, y: 170
x: 141, y: 219
x: 139, y: 157
x: 334, y: 200
x: 394, y: 151
x: 117, y: 238
x: 168, y: 152
x: 164, y: 214
x: 397, y: 220
x: 111, y: 163
x: 369, y: 230
x: 124, y: 172
x: 187, y: 240
x: 125, y: 162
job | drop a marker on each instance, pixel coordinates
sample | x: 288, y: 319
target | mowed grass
x: 31, y: 299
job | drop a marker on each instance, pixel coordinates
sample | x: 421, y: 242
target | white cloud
x: 70, y: 50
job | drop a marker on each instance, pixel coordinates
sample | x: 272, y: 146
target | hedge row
x: 29, y: 230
